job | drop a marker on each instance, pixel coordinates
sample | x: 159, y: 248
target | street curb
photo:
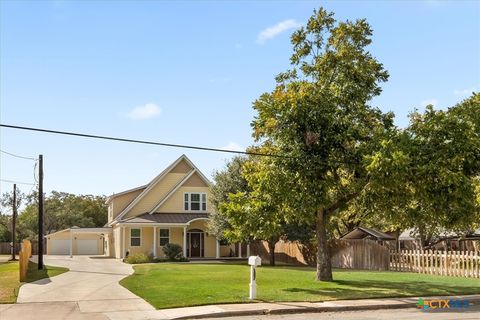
x: 318, y: 309
x: 296, y: 310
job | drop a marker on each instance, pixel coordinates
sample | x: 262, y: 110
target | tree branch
x: 346, y: 199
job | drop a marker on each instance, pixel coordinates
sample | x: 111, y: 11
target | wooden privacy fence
x: 349, y: 254
x: 359, y: 254
x: 285, y: 252
x: 6, y: 248
x: 444, y: 263
x: 24, y: 257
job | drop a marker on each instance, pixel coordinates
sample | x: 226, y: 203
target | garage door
x: 59, y: 246
x: 87, y: 247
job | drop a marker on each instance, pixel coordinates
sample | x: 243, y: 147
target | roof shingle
x: 180, y: 218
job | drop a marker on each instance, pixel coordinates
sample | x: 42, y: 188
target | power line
x: 18, y: 182
x: 163, y: 144
x: 17, y: 156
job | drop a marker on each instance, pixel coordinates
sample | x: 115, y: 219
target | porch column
x: 217, y: 251
x: 185, y: 242
x: 71, y: 243
x: 155, y: 242
x: 239, y: 249
x: 122, y: 244
x: 248, y: 249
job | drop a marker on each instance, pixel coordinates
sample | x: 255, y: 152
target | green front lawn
x: 169, y: 285
x: 9, y: 278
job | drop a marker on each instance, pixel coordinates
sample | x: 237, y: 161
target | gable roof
x: 110, y: 198
x: 180, y: 218
x: 156, y: 180
x: 82, y: 230
x: 362, y: 232
x: 172, y: 191
x: 410, y: 234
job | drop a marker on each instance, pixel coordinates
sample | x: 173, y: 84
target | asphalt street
x: 472, y: 313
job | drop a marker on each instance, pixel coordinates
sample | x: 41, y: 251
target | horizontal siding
x: 121, y: 202
x: 176, y: 236
x: 117, y: 236
x: 175, y: 203
x: 154, y: 196
x: 147, y: 241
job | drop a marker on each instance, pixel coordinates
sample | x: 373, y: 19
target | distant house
x: 446, y: 240
x: 368, y: 233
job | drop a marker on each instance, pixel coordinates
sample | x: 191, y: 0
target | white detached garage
x: 77, y: 241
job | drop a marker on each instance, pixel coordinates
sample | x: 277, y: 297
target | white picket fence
x: 451, y: 263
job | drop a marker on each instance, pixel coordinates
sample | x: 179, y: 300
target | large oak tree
x: 319, y: 121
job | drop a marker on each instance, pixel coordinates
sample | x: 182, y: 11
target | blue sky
x: 188, y: 72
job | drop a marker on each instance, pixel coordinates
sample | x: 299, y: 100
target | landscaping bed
x: 169, y: 285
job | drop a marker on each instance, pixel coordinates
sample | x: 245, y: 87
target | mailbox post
x: 253, y: 261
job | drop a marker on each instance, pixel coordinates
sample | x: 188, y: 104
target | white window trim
x: 189, y: 202
x: 160, y: 237
x: 130, y: 243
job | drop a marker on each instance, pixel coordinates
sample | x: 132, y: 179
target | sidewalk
x: 245, y: 309
x: 75, y: 311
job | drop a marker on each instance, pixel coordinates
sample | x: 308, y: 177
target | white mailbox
x: 255, y: 261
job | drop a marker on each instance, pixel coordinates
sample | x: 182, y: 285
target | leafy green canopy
x: 245, y: 212
x: 433, y: 169
x: 318, y: 119
x: 62, y: 210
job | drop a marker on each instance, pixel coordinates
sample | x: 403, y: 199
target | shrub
x: 173, y: 252
x: 160, y: 260
x: 136, y: 258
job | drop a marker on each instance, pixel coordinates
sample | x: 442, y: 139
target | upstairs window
x: 195, y: 201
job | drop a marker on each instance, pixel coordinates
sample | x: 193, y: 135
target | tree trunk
x: 324, y: 264
x: 421, y: 235
x: 271, y: 250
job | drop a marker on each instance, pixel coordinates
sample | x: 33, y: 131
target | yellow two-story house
x: 172, y: 208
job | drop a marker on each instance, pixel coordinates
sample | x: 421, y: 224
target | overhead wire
x: 17, y: 156
x: 25, y: 158
x: 174, y: 145
x: 164, y: 144
x: 18, y: 182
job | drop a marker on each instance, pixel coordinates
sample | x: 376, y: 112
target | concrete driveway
x: 91, y: 285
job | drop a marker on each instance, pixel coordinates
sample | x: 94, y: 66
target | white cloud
x: 273, y: 31
x: 425, y: 103
x: 466, y: 92
x: 147, y: 111
x: 233, y: 146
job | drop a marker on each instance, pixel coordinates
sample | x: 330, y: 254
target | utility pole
x: 14, y: 220
x: 40, y: 212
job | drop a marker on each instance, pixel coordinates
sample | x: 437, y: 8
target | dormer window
x: 194, y: 201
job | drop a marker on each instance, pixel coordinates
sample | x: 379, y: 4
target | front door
x: 196, y: 244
